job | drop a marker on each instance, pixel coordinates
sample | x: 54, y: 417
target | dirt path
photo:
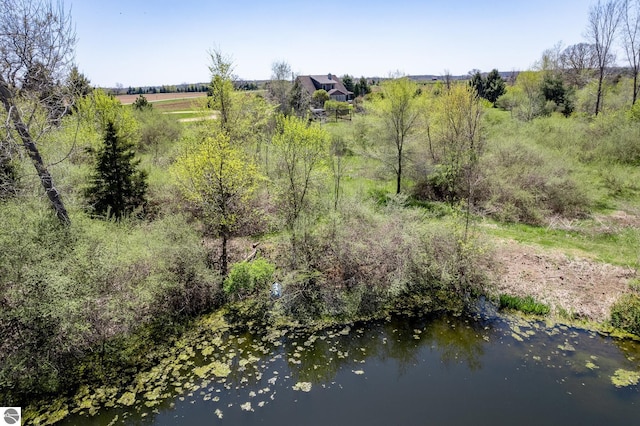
x: 581, y: 287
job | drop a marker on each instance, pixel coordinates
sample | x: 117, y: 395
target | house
x: 332, y: 84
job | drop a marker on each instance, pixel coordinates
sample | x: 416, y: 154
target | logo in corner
x: 11, y: 416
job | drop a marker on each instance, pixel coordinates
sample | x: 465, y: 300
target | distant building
x: 332, y: 84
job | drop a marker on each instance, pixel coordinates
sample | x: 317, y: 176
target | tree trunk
x: 399, y: 174
x: 224, y: 258
x: 635, y: 86
x: 32, y: 150
x: 599, y: 94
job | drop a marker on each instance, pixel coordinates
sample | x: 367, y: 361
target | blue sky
x: 143, y: 42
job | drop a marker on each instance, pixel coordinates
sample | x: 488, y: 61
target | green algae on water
x: 622, y: 378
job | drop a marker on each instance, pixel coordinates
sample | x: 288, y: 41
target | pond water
x: 403, y: 371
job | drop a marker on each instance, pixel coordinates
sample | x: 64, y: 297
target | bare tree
x: 604, y: 19
x: 37, y: 41
x: 577, y: 60
x: 631, y: 39
x: 280, y: 85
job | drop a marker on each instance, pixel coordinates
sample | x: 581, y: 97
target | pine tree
x: 117, y: 187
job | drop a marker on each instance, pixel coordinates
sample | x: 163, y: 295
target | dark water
x: 405, y: 371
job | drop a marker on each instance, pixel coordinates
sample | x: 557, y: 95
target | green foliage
x: 398, y: 109
x: 490, y: 87
x: 554, y: 90
x: 221, y: 90
x: 9, y: 176
x: 142, y: 104
x: 117, y: 187
x: 247, y: 277
x: 299, y: 99
x: 455, y: 144
x: 347, y: 80
x: 494, y: 87
x: 78, y: 84
x: 319, y: 97
x: 300, y: 148
x: 361, y: 88
x: 95, y: 112
x: 525, y: 305
x: 218, y: 178
x: 70, y: 293
x: 157, y: 131
x: 625, y: 313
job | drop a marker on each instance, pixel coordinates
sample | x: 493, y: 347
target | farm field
x: 183, y: 106
x: 159, y: 97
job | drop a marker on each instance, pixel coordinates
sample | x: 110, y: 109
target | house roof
x: 324, y: 79
x: 337, y: 92
x: 314, y: 82
x: 307, y: 83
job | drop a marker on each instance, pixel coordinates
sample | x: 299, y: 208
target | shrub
x: 245, y: 277
x: 625, y: 313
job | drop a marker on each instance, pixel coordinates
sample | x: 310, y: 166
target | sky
x: 155, y: 42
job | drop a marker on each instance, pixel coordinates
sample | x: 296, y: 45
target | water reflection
x: 411, y: 366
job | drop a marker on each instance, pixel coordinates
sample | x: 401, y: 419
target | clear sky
x: 154, y: 42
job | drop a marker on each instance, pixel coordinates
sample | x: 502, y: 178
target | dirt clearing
x: 580, y: 287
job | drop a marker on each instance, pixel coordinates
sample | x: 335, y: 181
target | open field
x: 157, y: 98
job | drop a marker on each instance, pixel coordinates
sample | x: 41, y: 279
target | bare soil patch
x: 582, y: 287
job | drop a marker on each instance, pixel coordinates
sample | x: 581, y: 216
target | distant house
x: 332, y: 84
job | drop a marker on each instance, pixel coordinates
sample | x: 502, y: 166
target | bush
x: 625, y: 313
x: 70, y: 294
x: 245, y: 277
x: 527, y: 185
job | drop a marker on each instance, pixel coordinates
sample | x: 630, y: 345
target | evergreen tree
x: 494, y: 86
x: 142, y: 104
x: 347, y: 80
x: 477, y: 82
x: 117, y: 187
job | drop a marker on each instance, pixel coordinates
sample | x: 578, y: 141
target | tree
x: 494, y: 87
x: 577, y: 60
x: 399, y: 111
x: 347, y: 80
x: 525, y: 99
x: 78, y: 84
x: 601, y: 30
x: 490, y: 87
x: 37, y: 41
x: 455, y: 142
x: 299, y: 99
x: 117, y: 187
x: 361, y: 88
x: 554, y: 90
x: 631, y: 39
x: 477, y: 82
x: 221, y: 87
x: 319, y: 97
x: 280, y: 85
x: 300, y: 148
x: 142, y: 104
x: 218, y: 177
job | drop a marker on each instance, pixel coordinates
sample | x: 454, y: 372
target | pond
x: 488, y: 369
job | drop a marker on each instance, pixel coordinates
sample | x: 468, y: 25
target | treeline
x: 181, y: 88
